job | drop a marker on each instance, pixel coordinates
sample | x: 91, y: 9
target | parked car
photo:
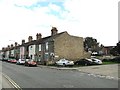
x: 96, y: 61
x: 9, y: 60
x: 5, y: 59
x: 29, y: 62
x: 116, y: 59
x: 84, y: 62
x: 64, y: 62
x: 20, y: 61
x: 13, y: 60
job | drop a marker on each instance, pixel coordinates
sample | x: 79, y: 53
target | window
x: 46, y: 45
x: 40, y: 47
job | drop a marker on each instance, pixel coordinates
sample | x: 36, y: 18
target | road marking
x: 12, y: 82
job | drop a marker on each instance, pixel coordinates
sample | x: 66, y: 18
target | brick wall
x: 69, y: 47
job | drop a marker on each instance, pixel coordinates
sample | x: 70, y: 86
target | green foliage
x: 116, y: 50
x: 91, y: 43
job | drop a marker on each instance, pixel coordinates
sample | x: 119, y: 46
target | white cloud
x: 96, y: 18
x: 54, y: 7
x: 25, y: 2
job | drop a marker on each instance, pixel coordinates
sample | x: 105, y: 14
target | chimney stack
x: 38, y: 36
x: 16, y: 44
x: 23, y: 41
x: 11, y: 45
x: 30, y: 38
x: 3, y: 49
x: 8, y: 47
x: 54, y: 31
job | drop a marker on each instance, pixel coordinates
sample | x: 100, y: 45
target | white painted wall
x: 1, y: 53
x: 32, y: 51
x: 22, y: 52
x: 7, y: 54
x: 12, y: 52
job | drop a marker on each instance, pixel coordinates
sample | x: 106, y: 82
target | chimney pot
x: 3, y: 49
x: 11, y: 45
x: 8, y: 47
x: 38, y: 36
x: 16, y: 43
x: 30, y: 38
x: 54, y: 31
x: 23, y: 41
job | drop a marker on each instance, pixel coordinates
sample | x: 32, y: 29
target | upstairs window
x: 46, y: 45
x: 40, y: 47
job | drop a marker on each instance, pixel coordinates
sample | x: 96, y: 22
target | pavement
x: 8, y: 83
x: 109, y: 71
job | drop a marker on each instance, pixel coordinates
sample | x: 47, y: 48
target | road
x: 37, y: 77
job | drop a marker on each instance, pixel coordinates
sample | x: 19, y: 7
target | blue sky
x: 84, y: 18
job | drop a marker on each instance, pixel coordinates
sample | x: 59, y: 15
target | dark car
x: 116, y: 59
x: 84, y: 62
x: 30, y: 62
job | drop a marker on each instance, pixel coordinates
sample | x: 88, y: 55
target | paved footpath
x: 108, y: 71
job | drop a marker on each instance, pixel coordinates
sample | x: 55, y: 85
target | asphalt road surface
x: 37, y: 77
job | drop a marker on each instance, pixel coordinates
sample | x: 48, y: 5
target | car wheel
x: 64, y: 65
x: 86, y: 64
x: 28, y: 65
x: 35, y: 65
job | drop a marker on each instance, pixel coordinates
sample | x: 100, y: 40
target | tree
x: 91, y: 44
x: 118, y: 47
x: 113, y: 51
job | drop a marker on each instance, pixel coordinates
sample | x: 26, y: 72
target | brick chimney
x: 3, y: 49
x: 11, y: 45
x: 30, y: 38
x: 23, y: 41
x: 54, y: 31
x: 8, y: 47
x: 16, y: 44
x: 38, y: 36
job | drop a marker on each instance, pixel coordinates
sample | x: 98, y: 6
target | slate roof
x: 42, y: 40
x: 48, y: 37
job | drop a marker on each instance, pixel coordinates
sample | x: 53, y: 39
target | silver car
x: 65, y: 62
x: 20, y: 61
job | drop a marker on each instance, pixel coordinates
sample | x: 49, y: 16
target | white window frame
x: 40, y: 47
x: 46, y: 45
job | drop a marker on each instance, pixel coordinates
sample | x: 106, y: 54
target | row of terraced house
x: 48, y: 49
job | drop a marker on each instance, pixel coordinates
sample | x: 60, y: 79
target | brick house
x: 13, y: 51
x: 26, y: 49
x: 59, y: 45
x: 51, y: 48
x: 106, y: 49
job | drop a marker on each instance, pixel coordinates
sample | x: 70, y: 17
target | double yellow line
x: 12, y: 82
